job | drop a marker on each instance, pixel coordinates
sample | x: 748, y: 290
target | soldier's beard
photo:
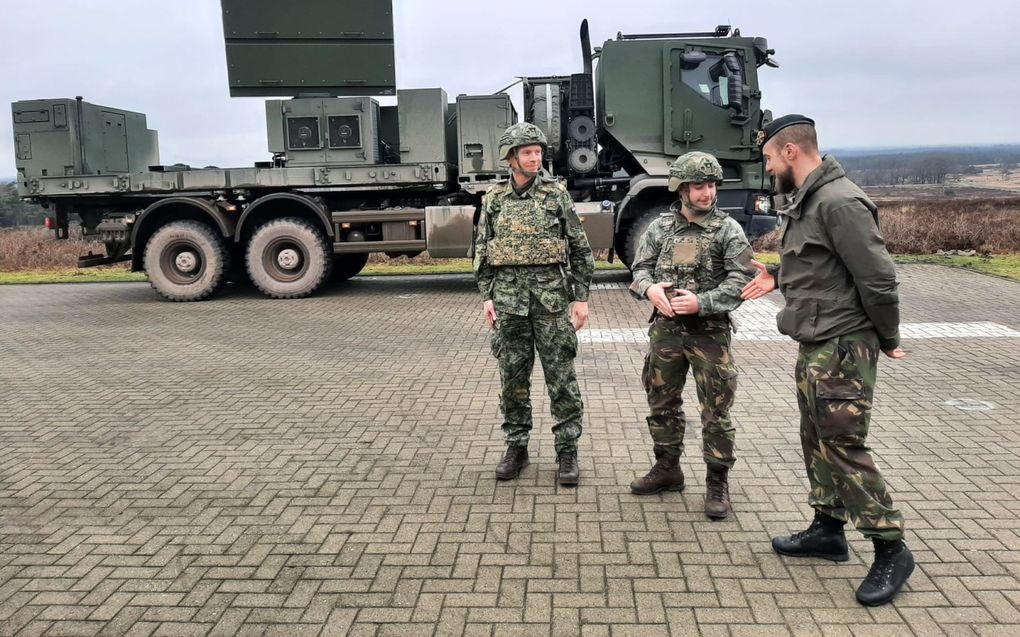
x: 784, y: 181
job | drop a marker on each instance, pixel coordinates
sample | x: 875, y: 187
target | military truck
x: 347, y: 176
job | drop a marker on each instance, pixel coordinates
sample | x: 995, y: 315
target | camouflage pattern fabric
x: 673, y: 351
x: 711, y: 257
x: 694, y: 167
x: 835, y: 388
x: 514, y: 343
x: 716, y: 263
x: 527, y: 234
x: 510, y: 218
x: 532, y: 300
x: 520, y: 134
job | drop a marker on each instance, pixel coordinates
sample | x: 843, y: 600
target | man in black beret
x: 842, y: 307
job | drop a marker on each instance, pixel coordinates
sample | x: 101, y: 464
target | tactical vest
x: 686, y: 261
x: 527, y: 232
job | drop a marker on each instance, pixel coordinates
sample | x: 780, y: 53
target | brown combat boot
x: 515, y: 459
x: 665, y: 475
x: 717, y: 492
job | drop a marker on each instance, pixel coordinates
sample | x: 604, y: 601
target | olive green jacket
x: 834, y: 272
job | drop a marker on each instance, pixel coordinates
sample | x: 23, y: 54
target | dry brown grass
x: 35, y: 249
x: 989, y: 226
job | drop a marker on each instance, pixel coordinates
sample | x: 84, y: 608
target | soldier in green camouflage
x: 533, y: 266
x: 842, y: 307
x: 691, y: 264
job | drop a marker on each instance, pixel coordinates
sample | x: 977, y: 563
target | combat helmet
x: 521, y: 134
x: 694, y: 167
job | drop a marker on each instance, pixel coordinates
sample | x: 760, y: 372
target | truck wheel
x: 346, y: 266
x: 637, y: 229
x: 288, y: 258
x: 186, y: 261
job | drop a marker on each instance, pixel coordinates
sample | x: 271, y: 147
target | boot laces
x: 718, y: 489
x: 881, y: 571
x: 660, y: 467
x: 568, y: 462
x: 800, y: 535
x: 511, y: 454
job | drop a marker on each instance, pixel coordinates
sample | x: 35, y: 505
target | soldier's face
x: 527, y: 158
x: 779, y: 166
x: 701, y: 195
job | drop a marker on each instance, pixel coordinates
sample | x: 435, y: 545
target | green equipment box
x: 58, y: 137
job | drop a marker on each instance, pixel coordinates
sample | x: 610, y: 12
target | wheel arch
x: 172, y: 209
x: 283, y: 204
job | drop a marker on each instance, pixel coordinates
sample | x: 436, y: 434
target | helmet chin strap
x: 520, y: 170
x: 686, y: 199
x: 527, y: 173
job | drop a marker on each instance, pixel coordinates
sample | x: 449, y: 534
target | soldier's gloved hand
x: 760, y: 285
x: 579, y: 314
x: 657, y: 295
x: 490, y: 314
x: 685, y: 302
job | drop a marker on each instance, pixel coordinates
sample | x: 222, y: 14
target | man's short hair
x: 802, y: 136
x: 794, y: 128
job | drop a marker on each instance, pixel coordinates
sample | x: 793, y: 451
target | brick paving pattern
x: 325, y: 467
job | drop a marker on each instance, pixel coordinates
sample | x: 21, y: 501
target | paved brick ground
x: 324, y: 467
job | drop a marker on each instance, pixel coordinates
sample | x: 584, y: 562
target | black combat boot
x: 515, y: 459
x: 665, y: 475
x: 569, y: 473
x: 893, y: 565
x: 717, y: 492
x: 823, y: 539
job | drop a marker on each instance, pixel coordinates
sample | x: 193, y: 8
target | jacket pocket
x: 799, y: 319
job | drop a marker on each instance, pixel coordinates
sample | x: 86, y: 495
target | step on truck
x: 347, y: 176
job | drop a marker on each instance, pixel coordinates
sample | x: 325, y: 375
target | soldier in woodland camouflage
x: 691, y: 263
x: 842, y: 308
x: 533, y: 266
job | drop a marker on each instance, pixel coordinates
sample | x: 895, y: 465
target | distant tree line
x: 927, y: 166
x: 15, y: 212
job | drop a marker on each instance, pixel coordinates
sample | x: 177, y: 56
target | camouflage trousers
x: 672, y: 352
x: 514, y: 343
x: 835, y: 388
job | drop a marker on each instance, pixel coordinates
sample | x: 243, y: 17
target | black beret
x: 779, y: 124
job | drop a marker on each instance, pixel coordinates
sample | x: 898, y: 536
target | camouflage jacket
x: 554, y: 285
x: 709, y: 256
x: 834, y: 270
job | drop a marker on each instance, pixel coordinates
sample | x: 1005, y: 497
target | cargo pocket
x: 728, y: 374
x: 496, y: 343
x: 843, y: 405
x: 724, y: 393
x: 840, y: 389
x: 568, y: 340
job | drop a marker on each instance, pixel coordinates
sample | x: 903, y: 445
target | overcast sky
x: 871, y: 72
